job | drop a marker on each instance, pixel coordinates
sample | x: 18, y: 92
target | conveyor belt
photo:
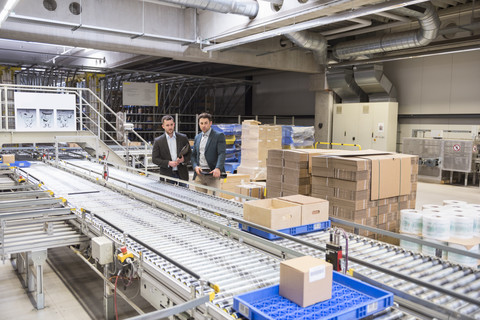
x: 33, y: 220
x: 245, y: 269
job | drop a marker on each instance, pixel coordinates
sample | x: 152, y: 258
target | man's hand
x: 172, y: 164
x: 216, y: 173
x: 198, y: 170
x: 180, y: 160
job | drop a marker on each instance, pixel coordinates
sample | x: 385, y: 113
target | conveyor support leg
x: 108, y: 303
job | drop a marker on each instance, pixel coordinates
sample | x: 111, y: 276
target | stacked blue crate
x: 298, y: 137
x: 233, y: 133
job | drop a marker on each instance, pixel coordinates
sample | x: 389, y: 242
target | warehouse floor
x: 68, y: 274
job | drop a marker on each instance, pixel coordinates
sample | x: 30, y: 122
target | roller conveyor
x: 200, y: 253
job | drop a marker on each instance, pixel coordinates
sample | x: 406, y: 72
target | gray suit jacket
x: 214, y: 151
x: 161, y: 155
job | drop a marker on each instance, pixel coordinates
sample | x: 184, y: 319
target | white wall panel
x: 440, y: 84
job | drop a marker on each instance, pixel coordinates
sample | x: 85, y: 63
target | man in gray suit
x: 171, y: 152
x: 208, y: 156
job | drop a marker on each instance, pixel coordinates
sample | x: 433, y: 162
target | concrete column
x: 323, y: 109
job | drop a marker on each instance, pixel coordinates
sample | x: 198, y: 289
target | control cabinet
x: 372, y: 125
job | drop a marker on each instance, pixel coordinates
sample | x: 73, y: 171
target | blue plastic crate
x: 291, y: 231
x: 351, y: 299
x: 21, y: 164
x: 231, y: 166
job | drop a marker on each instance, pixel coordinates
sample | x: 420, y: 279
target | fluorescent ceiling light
x: 9, y: 6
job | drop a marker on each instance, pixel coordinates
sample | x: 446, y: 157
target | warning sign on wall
x: 456, y: 147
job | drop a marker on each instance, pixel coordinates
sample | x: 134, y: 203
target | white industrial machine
x: 439, y: 156
x: 372, y: 125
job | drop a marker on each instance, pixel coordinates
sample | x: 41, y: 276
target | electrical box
x: 102, y: 250
x: 372, y: 125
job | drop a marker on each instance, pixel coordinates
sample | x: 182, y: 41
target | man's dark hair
x: 167, y: 118
x: 205, y: 116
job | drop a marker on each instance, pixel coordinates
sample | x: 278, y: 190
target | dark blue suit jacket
x: 214, y: 151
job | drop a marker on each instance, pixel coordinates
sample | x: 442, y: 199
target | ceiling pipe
x: 7, y: 9
x: 429, y: 25
x: 360, y: 23
x: 311, y: 41
x: 76, y: 26
x: 349, y: 15
x: 247, y: 8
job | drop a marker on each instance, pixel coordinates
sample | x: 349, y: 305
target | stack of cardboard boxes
x: 367, y: 189
x: 256, y: 141
x: 289, y: 171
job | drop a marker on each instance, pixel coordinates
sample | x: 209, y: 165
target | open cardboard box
x: 273, y: 213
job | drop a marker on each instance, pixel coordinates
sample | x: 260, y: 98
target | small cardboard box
x: 251, y: 190
x: 306, y: 280
x: 313, y: 209
x: 273, y: 213
x: 8, y: 158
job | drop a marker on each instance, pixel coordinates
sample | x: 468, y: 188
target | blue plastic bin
x: 20, y: 164
x: 291, y: 231
x: 351, y: 299
x: 231, y: 166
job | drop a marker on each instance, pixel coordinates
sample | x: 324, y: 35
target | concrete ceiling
x: 156, y: 36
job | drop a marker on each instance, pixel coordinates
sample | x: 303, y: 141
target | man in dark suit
x: 171, y: 152
x: 208, y: 156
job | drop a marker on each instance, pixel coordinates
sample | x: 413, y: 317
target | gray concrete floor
x: 86, y: 301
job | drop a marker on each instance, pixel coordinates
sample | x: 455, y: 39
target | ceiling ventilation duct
x: 429, y: 25
x: 343, y: 84
x: 247, y: 8
x: 311, y: 41
x: 372, y: 81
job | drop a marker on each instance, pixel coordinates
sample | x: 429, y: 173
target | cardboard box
x: 251, y: 190
x: 313, y: 209
x: 342, y: 184
x: 296, y: 181
x: 350, y: 214
x: 274, y: 192
x: 276, y: 153
x: 230, y: 182
x: 391, y: 175
x: 273, y: 213
x: 295, y: 156
x: 296, y: 164
x: 353, y: 204
x: 351, y: 175
x: 8, y: 158
x: 323, y: 172
x: 306, y: 280
x: 296, y: 189
x: 298, y: 173
x: 275, y: 173
x: 275, y: 162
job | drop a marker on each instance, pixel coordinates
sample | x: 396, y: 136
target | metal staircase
x: 91, y: 126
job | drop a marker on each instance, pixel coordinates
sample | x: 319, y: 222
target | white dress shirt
x: 203, y: 144
x: 172, y: 146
